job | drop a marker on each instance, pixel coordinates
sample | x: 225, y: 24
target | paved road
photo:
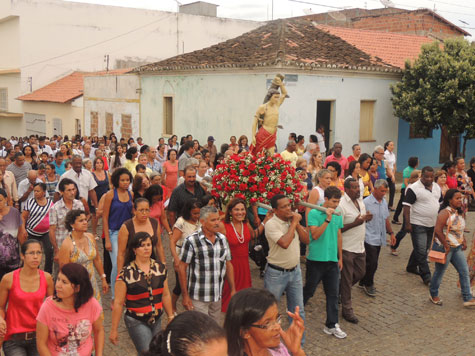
x: 399, y: 321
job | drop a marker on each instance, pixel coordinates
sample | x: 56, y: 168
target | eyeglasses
x: 144, y: 211
x: 269, y: 325
x: 34, y: 253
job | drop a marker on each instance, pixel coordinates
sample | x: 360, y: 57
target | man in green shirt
x: 324, y: 260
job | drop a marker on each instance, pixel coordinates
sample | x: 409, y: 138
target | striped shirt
x: 207, y: 265
x: 38, y: 217
x: 144, y: 291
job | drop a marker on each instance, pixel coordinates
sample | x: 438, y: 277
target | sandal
x: 394, y: 252
x: 435, y: 300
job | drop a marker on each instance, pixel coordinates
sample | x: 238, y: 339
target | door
x: 324, y: 119
x: 58, y: 127
x: 35, y: 124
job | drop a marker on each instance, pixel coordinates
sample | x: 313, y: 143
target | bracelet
x: 327, y: 221
x: 103, y: 275
x: 262, y: 224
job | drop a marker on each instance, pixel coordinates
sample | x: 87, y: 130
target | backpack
x: 9, y: 252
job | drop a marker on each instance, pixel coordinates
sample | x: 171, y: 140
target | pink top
x: 70, y: 332
x: 171, y: 175
x: 23, y: 307
x: 156, y: 210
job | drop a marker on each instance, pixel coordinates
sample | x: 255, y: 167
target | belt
x: 23, y: 336
x: 280, y: 268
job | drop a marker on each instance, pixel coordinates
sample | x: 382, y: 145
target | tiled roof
x: 67, y: 88
x: 356, y: 14
x: 392, y: 48
x: 294, y: 42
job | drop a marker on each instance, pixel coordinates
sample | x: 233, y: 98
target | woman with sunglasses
x: 252, y: 325
x: 24, y: 290
x: 142, y: 285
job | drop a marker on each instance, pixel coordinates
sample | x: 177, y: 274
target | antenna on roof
x: 387, y: 3
x: 337, y: 15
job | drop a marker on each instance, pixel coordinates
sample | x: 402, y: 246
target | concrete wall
x: 427, y: 149
x: 11, y: 126
x: 224, y: 104
x: 118, y: 95
x: 51, y: 28
x: 66, y: 112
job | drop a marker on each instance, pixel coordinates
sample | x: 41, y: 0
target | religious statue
x: 266, y: 120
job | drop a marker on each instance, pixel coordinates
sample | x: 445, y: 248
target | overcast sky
x: 459, y: 12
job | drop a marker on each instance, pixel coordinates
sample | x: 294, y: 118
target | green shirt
x: 406, y: 173
x: 325, y: 249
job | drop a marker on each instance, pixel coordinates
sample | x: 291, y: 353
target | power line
x: 312, y: 3
x: 94, y: 44
x: 448, y: 3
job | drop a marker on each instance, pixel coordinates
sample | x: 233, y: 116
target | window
x: 168, y: 115
x: 424, y: 133
x: 78, y: 127
x: 109, y: 123
x: 366, y: 120
x: 3, y: 99
x: 94, y: 123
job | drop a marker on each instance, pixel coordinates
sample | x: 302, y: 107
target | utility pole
x: 272, y: 13
x: 106, y: 61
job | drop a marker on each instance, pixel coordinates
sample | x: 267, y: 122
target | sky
x: 459, y: 12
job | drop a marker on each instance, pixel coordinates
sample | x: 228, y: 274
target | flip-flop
x: 436, y: 302
x: 394, y: 253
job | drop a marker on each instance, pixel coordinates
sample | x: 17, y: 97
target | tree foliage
x: 438, y: 89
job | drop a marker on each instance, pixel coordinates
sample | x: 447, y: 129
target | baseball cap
x: 211, y: 138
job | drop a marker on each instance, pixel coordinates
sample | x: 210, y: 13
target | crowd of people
x: 55, y: 192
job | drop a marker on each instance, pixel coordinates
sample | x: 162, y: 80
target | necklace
x: 239, y: 237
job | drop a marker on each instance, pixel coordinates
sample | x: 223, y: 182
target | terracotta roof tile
x: 392, y: 48
x: 67, y: 88
x: 287, y: 42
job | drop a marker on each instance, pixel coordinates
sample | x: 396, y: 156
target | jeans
x: 372, y: 258
x: 278, y: 282
x: 400, y: 235
x: 114, y: 234
x: 329, y: 273
x: 457, y: 258
x: 399, y: 205
x: 421, y: 238
x: 47, y: 249
x: 20, y: 348
x: 141, y: 333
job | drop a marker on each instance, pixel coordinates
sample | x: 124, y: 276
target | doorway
x: 325, y: 113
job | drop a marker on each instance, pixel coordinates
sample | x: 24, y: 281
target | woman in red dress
x: 239, y: 232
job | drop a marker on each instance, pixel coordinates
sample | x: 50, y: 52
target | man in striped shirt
x: 206, y: 253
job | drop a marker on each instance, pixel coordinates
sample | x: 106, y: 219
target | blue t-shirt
x: 60, y: 169
x: 382, y: 171
x: 406, y: 173
x: 325, y: 249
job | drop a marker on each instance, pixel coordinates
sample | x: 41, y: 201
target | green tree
x: 438, y: 90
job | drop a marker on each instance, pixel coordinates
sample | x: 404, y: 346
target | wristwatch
x: 327, y: 221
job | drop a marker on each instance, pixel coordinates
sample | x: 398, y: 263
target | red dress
x: 240, y: 262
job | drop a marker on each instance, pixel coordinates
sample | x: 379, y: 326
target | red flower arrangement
x: 256, y: 179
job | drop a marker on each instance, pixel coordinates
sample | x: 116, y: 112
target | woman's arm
x: 64, y: 252
x: 99, y: 267
x: 42, y: 333
x: 441, y: 222
x: 5, y: 286
x: 120, y: 292
x: 105, y: 218
x: 313, y: 197
x: 164, y: 221
x: 174, y: 237
x: 49, y: 284
x: 122, y: 246
x: 99, y: 336
x: 167, y: 301
x: 159, y: 245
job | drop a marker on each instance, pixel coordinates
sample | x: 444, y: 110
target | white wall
x: 224, y: 104
x: 117, y: 95
x: 12, y: 83
x: 10, y: 44
x: 50, y: 28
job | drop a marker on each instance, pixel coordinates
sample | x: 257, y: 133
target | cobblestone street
x: 399, y: 321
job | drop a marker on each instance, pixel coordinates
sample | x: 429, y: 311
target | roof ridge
x: 280, y: 53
